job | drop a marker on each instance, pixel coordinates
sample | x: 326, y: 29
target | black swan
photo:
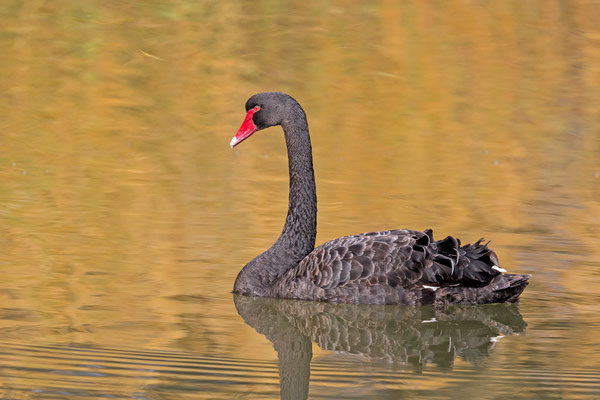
x: 388, y: 267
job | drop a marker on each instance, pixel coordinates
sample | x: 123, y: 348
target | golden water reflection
x: 126, y: 217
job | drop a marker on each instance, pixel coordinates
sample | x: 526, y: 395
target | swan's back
x: 399, y: 267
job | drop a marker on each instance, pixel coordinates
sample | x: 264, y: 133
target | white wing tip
x: 434, y: 288
x: 497, y: 268
x: 495, y: 339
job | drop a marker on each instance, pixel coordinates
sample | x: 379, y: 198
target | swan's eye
x: 256, y: 108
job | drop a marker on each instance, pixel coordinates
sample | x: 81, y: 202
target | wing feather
x: 394, y: 267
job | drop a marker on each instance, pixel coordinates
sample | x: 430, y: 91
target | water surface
x: 125, y: 217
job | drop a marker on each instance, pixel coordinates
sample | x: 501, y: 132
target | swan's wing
x: 376, y: 258
x: 400, y: 266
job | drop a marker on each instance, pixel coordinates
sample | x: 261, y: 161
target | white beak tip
x: 233, y: 142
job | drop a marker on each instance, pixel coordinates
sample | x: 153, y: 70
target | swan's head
x: 262, y: 111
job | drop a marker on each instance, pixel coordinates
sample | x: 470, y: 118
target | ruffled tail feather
x: 472, y: 265
x: 468, y: 274
x: 476, y: 266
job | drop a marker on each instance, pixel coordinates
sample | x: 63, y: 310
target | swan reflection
x: 410, y: 337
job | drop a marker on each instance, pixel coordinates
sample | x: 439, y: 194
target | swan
x: 398, y: 266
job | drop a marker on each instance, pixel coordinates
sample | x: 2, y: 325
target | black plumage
x: 387, y: 267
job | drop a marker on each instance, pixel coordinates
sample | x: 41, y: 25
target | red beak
x: 246, y: 130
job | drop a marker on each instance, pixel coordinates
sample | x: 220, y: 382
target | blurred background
x: 125, y: 216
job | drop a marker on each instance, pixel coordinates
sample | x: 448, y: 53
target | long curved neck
x: 299, y: 232
x: 298, y: 236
